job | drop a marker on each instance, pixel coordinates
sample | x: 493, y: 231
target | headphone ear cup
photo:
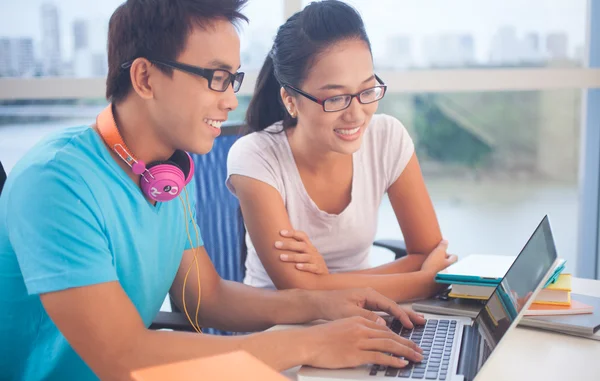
x: 164, y: 182
x: 191, y: 170
x: 185, y: 162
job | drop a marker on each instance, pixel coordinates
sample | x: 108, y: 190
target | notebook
x: 557, y: 272
x: 558, y: 292
x: 471, y: 292
x: 476, y: 270
x: 585, y: 325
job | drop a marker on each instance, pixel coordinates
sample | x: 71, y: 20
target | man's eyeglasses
x: 218, y: 79
x: 342, y: 102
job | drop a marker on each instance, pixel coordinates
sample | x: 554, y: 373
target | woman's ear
x: 289, y: 102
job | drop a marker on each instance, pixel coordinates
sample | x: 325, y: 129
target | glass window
x: 66, y: 38
x: 24, y: 122
x: 494, y: 163
x: 414, y: 34
x: 257, y: 36
x: 54, y: 38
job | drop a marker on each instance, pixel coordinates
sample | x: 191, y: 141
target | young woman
x: 312, y: 174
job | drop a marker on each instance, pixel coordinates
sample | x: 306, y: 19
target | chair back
x: 218, y: 211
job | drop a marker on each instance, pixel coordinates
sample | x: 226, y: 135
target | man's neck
x: 139, y: 133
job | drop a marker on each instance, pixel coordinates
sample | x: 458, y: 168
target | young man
x: 89, y: 246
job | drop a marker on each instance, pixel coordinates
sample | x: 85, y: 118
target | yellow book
x: 557, y: 293
x: 563, y: 283
x: 467, y: 296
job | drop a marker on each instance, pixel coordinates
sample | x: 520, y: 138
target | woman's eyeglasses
x: 342, y: 102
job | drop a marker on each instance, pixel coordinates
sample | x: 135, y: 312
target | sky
x: 383, y: 18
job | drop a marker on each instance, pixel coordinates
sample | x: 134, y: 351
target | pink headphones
x: 160, y: 181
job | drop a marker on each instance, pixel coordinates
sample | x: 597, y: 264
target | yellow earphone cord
x: 187, y: 209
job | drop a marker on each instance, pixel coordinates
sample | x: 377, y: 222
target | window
x: 495, y: 163
x: 257, y: 36
x: 24, y: 122
x: 43, y: 38
x: 66, y: 39
x: 414, y: 34
x: 54, y: 38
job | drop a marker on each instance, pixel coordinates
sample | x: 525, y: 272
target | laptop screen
x: 521, y: 280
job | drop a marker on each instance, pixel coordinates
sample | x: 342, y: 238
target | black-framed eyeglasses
x: 343, y: 101
x: 218, y: 79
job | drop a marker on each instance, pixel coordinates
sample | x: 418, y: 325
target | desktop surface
x: 532, y: 354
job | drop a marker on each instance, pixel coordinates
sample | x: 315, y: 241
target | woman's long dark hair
x: 298, y: 42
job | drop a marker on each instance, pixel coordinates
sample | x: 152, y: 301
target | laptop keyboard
x: 435, y: 338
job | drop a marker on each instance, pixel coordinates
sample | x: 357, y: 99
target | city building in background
x: 557, y: 46
x: 17, y: 57
x: 449, y: 50
x: 90, y: 57
x: 30, y: 56
x: 51, y: 39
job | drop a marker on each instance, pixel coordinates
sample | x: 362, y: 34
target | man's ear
x: 140, y: 73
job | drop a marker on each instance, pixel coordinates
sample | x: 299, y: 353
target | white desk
x: 531, y: 354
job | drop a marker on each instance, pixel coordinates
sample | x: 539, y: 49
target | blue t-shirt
x: 70, y: 217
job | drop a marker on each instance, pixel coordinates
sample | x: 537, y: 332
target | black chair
x: 219, y: 218
x: 2, y: 177
x: 396, y: 246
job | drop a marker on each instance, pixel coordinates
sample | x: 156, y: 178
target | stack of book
x: 476, y: 277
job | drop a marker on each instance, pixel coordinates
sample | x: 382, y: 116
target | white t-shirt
x: 343, y: 239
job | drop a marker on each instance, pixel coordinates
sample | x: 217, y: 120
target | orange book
x: 230, y: 366
x: 575, y: 308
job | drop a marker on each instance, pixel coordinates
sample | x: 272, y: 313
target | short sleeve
x: 55, y: 228
x: 397, y: 148
x: 252, y: 157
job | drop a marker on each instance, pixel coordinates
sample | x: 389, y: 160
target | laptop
x: 455, y: 347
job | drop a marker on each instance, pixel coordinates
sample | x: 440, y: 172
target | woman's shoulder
x: 259, y: 155
x: 268, y: 145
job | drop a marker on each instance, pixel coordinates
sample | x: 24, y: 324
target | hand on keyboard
x: 356, y: 341
x: 340, y: 304
x: 436, y: 339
